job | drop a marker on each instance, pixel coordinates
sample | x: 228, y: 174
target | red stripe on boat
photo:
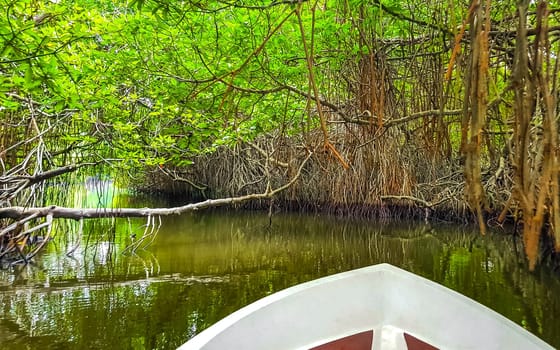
x: 414, y: 343
x: 358, y: 341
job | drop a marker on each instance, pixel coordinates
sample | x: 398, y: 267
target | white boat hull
x: 379, y: 307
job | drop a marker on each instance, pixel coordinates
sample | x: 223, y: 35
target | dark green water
x: 201, y: 267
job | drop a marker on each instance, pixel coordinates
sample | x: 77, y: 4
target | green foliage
x: 160, y: 82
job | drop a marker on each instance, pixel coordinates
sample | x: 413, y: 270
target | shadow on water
x: 201, y: 267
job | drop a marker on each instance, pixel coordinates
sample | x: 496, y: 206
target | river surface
x: 200, y: 267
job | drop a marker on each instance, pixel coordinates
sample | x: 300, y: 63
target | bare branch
x: 45, y: 175
x: 90, y: 213
x: 264, y: 154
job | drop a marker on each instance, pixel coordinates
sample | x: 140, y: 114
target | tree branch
x: 45, y: 175
x: 267, y: 156
x: 18, y: 213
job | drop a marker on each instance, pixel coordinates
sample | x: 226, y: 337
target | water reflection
x: 204, y: 266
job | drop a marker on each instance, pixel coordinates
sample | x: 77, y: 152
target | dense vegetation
x: 362, y: 106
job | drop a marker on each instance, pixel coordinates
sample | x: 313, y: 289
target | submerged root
x: 20, y: 241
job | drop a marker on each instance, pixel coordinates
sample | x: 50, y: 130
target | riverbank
x: 387, y: 179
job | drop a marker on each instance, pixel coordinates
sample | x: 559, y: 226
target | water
x: 201, y: 267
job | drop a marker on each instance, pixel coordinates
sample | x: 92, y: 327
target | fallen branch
x: 18, y: 213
